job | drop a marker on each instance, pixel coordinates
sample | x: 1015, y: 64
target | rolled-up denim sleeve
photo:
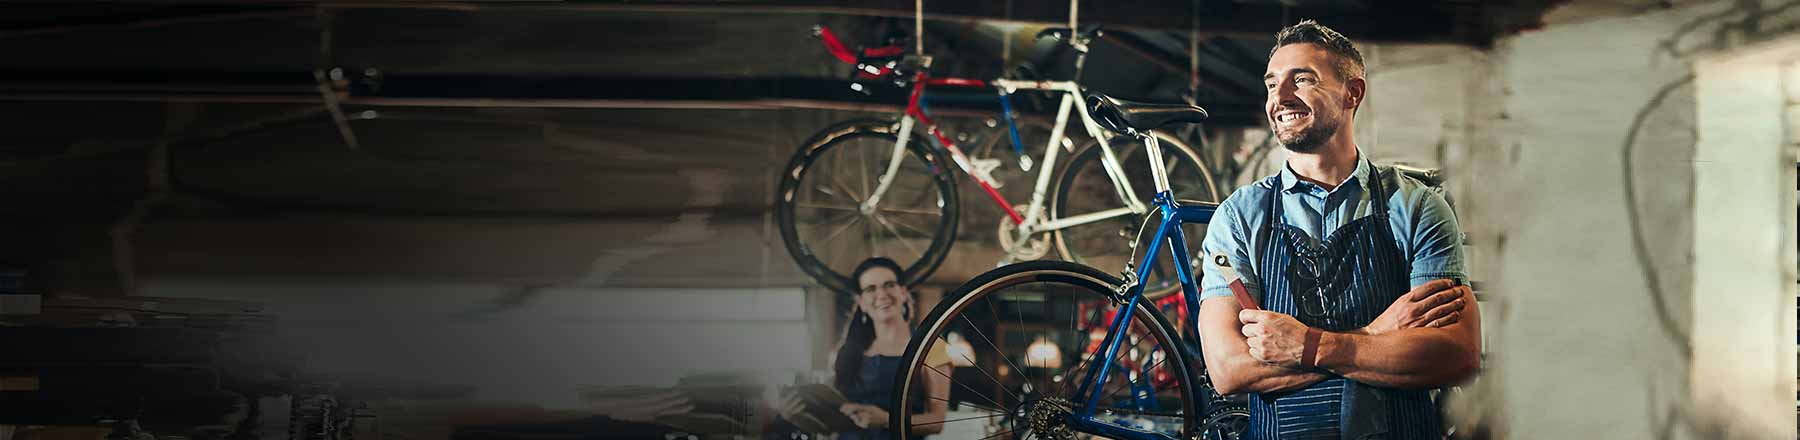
x: 1437, y: 250
x: 1226, y: 234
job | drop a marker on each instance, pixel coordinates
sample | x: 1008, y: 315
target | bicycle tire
x: 1085, y: 177
x: 1156, y: 373
x: 924, y: 173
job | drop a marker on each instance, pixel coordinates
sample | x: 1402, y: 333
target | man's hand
x: 1435, y: 304
x: 1274, y: 338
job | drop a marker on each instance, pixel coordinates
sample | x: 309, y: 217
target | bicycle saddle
x: 1139, y: 117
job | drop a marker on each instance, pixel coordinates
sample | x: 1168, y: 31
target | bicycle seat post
x: 1157, y: 171
x: 1080, y: 58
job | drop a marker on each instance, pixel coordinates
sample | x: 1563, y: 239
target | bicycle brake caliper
x: 1130, y: 277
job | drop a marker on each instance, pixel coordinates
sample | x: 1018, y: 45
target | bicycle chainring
x: 1226, y: 422
x: 1036, y: 247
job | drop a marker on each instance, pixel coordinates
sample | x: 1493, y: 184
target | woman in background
x: 869, y: 356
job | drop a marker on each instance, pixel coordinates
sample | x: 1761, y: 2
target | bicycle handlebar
x: 872, y: 62
x: 833, y: 45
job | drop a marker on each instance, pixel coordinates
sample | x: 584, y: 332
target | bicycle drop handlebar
x: 871, y: 62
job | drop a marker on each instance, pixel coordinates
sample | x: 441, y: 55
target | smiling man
x: 1359, y: 271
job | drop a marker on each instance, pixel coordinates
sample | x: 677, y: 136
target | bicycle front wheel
x: 1020, y: 339
x: 819, y: 204
x: 1084, y: 187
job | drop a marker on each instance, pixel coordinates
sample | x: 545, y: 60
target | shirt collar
x: 1291, y: 182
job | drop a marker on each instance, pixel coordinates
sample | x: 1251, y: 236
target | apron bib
x: 1341, y: 283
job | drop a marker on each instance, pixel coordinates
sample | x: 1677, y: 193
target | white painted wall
x: 1743, y: 368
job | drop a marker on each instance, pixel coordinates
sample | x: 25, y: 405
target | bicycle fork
x: 893, y: 168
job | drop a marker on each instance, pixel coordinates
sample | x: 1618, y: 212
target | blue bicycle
x: 1058, y: 350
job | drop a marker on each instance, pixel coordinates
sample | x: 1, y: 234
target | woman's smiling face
x: 882, y: 297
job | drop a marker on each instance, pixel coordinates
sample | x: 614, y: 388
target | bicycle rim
x: 1020, y: 338
x: 824, y: 185
x: 1084, y: 187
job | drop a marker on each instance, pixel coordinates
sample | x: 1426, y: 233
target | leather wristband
x: 1309, y: 351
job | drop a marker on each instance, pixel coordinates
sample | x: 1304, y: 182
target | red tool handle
x: 1237, y: 284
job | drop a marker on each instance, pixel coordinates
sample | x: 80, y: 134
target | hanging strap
x: 919, y: 27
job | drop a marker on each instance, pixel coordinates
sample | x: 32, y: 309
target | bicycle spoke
x: 989, y: 416
x: 908, y: 210
x: 997, y: 435
x: 1128, y: 381
x: 863, y: 156
x: 972, y: 405
x: 990, y: 343
x: 914, y: 228
x: 963, y: 385
x: 870, y: 234
x: 827, y: 207
x: 1019, y: 316
x: 840, y: 231
x: 903, y: 241
x: 997, y: 352
x: 1073, y: 374
x: 837, y: 181
x: 848, y: 194
x: 835, y: 247
x: 830, y: 218
x: 991, y: 377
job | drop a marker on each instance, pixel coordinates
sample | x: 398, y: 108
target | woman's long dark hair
x: 859, y: 333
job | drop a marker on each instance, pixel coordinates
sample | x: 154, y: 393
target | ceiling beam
x: 1462, y: 22
x: 523, y: 91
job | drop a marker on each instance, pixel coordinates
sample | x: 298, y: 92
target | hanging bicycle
x: 871, y: 187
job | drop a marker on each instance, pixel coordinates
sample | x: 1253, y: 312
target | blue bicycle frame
x: 1169, y: 231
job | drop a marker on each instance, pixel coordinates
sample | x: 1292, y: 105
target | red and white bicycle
x: 871, y: 187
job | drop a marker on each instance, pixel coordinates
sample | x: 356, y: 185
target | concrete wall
x: 1592, y: 188
x: 1744, y: 243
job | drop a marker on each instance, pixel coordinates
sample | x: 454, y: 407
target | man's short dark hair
x: 1348, y: 60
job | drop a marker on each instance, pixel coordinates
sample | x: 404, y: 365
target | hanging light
x: 1041, y: 353
x: 961, y: 353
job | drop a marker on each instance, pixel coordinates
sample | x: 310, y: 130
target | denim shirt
x: 1422, y: 222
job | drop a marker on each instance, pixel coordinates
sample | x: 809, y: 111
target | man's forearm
x: 1279, y: 379
x: 1228, y: 360
x: 1241, y: 373
x: 1409, y: 358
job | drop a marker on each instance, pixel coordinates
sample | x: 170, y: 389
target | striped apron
x: 1339, y: 284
